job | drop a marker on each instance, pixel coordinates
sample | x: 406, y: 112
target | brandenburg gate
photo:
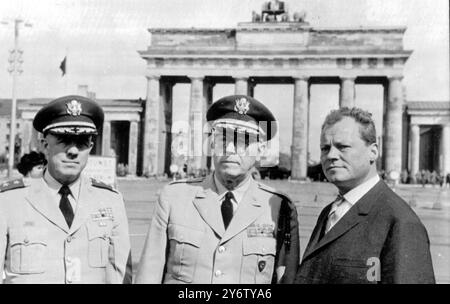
x: 275, y: 52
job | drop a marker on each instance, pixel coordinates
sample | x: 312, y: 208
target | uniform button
x: 218, y: 273
x: 263, y: 250
x: 69, y: 239
x: 221, y: 249
x: 69, y: 260
x: 26, y: 241
x: 69, y: 281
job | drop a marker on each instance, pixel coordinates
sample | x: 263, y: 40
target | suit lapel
x: 249, y: 209
x: 314, y: 239
x: 206, y: 202
x: 42, y: 201
x: 84, y: 207
x: 352, y: 218
x: 347, y: 222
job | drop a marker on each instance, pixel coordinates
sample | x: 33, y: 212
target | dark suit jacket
x: 380, y: 239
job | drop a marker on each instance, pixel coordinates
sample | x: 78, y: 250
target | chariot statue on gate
x: 272, y: 9
x: 276, y: 11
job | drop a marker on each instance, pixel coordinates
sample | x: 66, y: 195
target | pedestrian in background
x: 425, y: 177
x: 418, y: 177
x: 32, y: 164
x: 405, y: 176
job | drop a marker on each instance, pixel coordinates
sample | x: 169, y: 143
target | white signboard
x: 101, y: 168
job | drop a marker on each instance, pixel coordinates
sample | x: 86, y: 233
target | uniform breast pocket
x: 27, y: 251
x: 98, y: 244
x: 184, y: 247
x: 259, y: 259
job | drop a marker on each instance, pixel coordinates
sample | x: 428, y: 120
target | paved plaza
x: 432, y: 204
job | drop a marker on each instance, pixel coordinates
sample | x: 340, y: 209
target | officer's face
x: 67, y: 155
x: 234, y: 155
x: 346, y: 158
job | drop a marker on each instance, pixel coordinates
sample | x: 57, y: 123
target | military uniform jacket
x: 37, y: 246
x: 187, y: 241
x: 379, y: 240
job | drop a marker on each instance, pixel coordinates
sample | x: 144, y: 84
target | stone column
x: 347, y: 92
x: 445, y: 138
x: 27, y: 134
x: 152, y: 128
x: 299, y: 152
x: 133, y: 147
x: 106, y: 138
x: 35, y: 140
x: 196, y: 124
x: 208, y: 90
x: 393, y: 126
x: 415, y: 149
x: 241, y: 86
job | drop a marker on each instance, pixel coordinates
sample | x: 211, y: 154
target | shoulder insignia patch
x: 187, y: 181
x: 12, y: 184
x: 100, y: 184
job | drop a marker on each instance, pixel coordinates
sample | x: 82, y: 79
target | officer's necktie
x: 64, y: 204
x: 227, y: 209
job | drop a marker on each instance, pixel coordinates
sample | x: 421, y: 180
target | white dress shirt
x: 238, y: 193
x: 344, y: 202
x: 54, y: 186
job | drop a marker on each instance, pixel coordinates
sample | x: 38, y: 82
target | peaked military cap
x: 73, y: 115
x: 240, y: 112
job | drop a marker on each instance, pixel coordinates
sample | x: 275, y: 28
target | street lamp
x: 15, y: 68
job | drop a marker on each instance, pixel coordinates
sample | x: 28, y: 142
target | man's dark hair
x: 28, y: 161
x: 364, y: 118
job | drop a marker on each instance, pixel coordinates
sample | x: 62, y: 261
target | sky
x: 101, y: 38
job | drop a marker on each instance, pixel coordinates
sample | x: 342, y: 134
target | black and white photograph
x: 232, y: 142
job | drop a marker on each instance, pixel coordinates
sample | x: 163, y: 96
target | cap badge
x: 73, y: 108
x: 242, y: 106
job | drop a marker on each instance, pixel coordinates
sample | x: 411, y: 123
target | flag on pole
x: 62, y: 66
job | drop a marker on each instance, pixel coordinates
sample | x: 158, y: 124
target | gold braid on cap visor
x: 239, y: 126
x: 77, y: 127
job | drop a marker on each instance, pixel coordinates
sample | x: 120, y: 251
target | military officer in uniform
x: 227, y: 228
x: 64, y: 227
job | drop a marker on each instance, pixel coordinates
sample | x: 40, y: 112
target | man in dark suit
x: 368, y: 234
